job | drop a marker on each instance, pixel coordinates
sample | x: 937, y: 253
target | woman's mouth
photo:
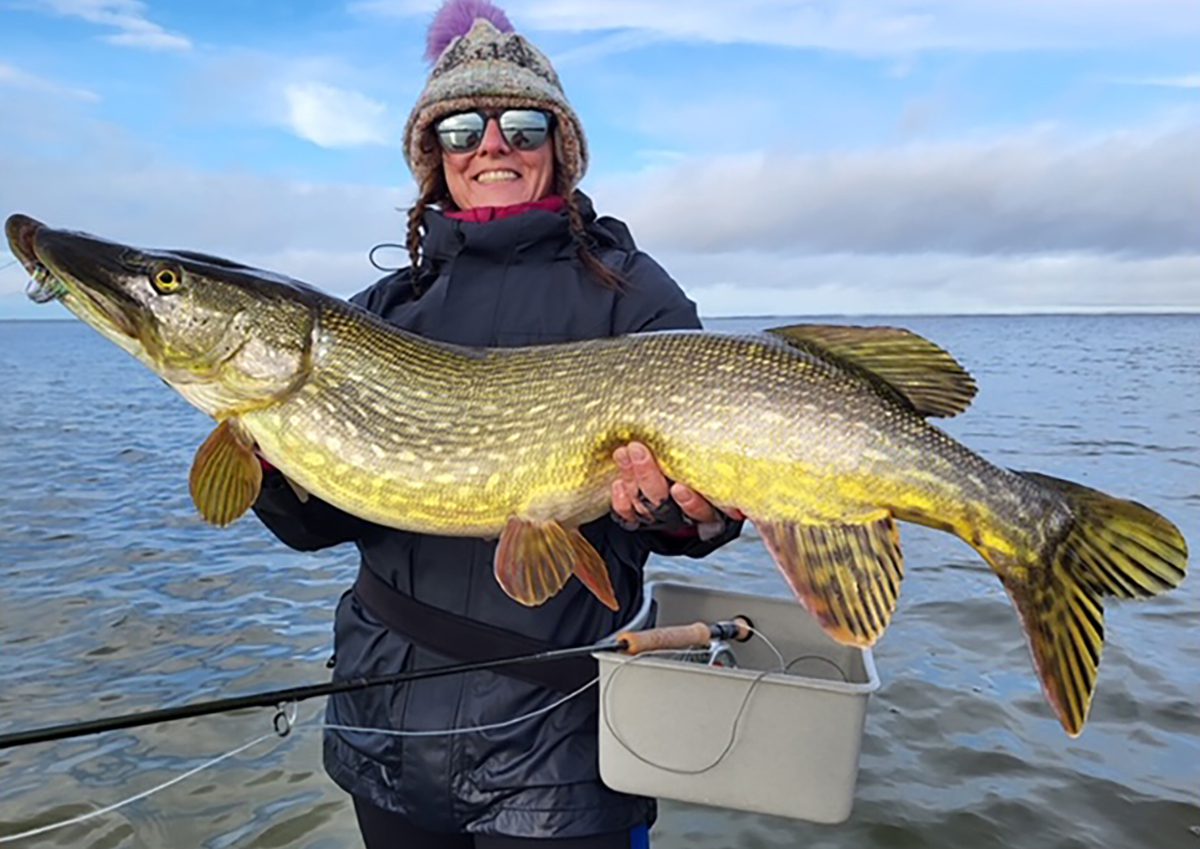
x: 498, y: 176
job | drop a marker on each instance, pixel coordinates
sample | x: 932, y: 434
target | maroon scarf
x: 483, y: 214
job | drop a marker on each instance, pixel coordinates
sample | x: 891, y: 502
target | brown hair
x: 435, y: 191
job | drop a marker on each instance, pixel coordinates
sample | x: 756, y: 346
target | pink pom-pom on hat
x: 455, y: 19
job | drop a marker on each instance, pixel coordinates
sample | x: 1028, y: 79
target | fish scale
x: 818, y: 434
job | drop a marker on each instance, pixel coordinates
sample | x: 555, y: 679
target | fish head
x: 228, y: 337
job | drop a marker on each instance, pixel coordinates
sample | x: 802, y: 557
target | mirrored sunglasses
x: 523, y: 129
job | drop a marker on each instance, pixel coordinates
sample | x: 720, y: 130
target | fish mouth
x: 49, y: 255
x: 43, y: 286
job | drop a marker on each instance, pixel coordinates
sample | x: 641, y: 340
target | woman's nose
x: 493, y: 140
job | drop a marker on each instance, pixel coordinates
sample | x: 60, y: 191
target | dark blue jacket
x: 514, y: 281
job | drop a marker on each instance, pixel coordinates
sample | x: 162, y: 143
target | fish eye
x: 166, y: 279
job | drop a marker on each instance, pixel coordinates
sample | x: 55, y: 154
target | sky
x: 778, y: 158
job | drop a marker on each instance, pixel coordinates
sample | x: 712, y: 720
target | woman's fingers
x: 641, y: 485
x: 693, y: 505
x: 651, y: 482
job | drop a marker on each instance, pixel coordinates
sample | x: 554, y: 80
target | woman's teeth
x: 497, y: 176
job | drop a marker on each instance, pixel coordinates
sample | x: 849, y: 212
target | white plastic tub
x: 749, y: 738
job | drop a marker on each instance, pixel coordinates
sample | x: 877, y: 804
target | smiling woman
x: 505, y: 251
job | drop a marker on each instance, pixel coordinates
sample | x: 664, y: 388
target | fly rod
x: 631, y: 642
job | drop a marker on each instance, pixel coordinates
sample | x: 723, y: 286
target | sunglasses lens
x: 525, y: 129
x: 462, y: 132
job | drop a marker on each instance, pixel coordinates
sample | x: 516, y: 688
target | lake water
x: 115, y: 597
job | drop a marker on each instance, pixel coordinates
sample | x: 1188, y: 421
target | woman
x: 504, y: 252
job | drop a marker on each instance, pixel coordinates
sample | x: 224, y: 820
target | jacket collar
x: 537, y: 234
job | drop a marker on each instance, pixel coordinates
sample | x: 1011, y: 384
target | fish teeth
x: 43, y: 286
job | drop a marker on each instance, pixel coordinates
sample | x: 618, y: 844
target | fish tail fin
x: 1108, y: 547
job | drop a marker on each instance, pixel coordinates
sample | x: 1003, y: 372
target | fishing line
x: 735, y: 727
x: 274, y: 698
x: 450, y: 732
x: 284, y: 724
x: 12, y: 838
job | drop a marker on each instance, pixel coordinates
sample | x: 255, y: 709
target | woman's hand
x: 641, y: 486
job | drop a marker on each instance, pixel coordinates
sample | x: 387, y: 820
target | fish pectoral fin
x: 226, y: 476
x: 847, y: 575
x: 534, y: 560
x: 897, y: 361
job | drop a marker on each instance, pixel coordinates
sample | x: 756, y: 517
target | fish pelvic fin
x: 534, y: 560
x: 900, y: 364
x: 847, y: 575
x: 226, y: 476
x: 1110, y: 547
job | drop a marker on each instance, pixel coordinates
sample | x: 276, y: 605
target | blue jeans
x: 385, y: 830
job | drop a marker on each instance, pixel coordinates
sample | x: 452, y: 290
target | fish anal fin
x: 918, y: 371
x: 847, y: 575
x: 534, y: 560
x: 226, y: 476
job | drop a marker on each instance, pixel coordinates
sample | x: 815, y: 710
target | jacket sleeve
x: 314, y: 524
x: 654, y: 301
x: 307, y: 526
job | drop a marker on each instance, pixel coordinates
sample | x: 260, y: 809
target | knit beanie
x: 479, y: 62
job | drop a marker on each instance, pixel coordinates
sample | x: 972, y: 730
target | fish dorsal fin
x: 534, y: 560
x: 226, y: 476
x: 920, y: 372
x: 846, y: 574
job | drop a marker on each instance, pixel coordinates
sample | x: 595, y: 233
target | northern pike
x: 818, y: 434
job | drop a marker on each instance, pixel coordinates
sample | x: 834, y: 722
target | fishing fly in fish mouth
x: 818, y: 434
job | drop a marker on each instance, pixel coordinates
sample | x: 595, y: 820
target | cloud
x: 1191, y: 81
x: 246, y: 217
x: 860, y: 26
x: 764, y: 283
x: 1127, y: 194
x: 16, y: 78
x: 127, y: 17
x: 334, y: 117
x: 1037, y: 223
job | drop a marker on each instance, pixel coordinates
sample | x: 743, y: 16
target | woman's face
x: 496, y: 174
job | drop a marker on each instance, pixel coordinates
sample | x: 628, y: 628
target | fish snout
x: 20, y: 230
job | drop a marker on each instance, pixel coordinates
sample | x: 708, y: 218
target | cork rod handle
x: 678, y: 637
